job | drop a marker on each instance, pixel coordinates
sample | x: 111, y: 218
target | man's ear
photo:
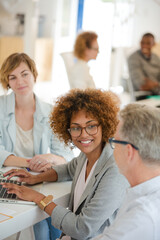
x: 130, y: 153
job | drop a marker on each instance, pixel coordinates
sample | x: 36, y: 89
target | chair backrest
x: 131, y: 89
x: 68, y: 59
x: 127, y: 52
x: 119, y: 69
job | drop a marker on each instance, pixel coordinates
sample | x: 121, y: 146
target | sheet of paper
x: 7, y: 211
x: 5, y: 214
x: 4, y: 217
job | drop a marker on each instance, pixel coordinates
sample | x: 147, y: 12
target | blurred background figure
x: 144, y: 66
x: 85, y: 48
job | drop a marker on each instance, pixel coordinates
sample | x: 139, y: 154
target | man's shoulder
x: 135, y: 54
x: 136, y: 59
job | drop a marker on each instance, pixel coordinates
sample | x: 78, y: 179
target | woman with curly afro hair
x: 86, y: 118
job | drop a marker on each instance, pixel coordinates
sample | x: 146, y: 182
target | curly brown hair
x: 84, y: 40
x: 11, y: 63
x: 102, y: 105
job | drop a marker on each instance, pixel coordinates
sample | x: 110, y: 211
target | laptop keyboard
x: 3, y: 191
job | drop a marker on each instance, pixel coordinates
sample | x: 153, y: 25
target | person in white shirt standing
x: 137, y: 155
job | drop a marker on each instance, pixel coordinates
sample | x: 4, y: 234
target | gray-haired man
x: 137, y: 154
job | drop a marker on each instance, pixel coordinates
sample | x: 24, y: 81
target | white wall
x: 46, y: 8
x: 146, y: 19
x: 98, y: 17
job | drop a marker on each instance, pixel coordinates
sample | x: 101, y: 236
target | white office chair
x: 135, y: 95
x: 68, y: 59
x: 119, y: 72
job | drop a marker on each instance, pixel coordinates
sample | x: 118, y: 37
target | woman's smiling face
x: 87, y: 143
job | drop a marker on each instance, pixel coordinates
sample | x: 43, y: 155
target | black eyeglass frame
x: 121, y: 142
x: 97, y: 125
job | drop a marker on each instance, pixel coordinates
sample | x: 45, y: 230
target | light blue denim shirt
x: 43, y: 137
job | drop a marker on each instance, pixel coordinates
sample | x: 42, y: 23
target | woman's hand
x: 23, y: 192
x: 43, y: 162
x: 39, y: 163
x: 24, y: 176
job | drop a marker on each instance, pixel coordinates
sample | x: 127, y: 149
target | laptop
x: 11, y: 198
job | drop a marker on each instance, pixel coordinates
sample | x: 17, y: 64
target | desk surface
x: 151, y: 102
x: 27, y: 215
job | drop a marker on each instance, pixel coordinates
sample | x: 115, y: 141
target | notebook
x: 11, y: 198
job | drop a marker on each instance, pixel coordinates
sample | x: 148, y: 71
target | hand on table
x: 149, y: 85
x: 39, y: 163
x: 43, y: 162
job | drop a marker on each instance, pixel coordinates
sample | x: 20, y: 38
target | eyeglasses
x: 90, y: 130
x: 112, y: 142
x: 95, y: 49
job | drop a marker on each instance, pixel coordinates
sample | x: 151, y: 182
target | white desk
x: 151, y: 102
x: 27, y: 215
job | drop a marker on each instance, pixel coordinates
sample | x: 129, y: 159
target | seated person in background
x: 137, y: 154
x: 87, y: 118
x: 25, y: 135
x: 85, y: 48
x: 144, y: 67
